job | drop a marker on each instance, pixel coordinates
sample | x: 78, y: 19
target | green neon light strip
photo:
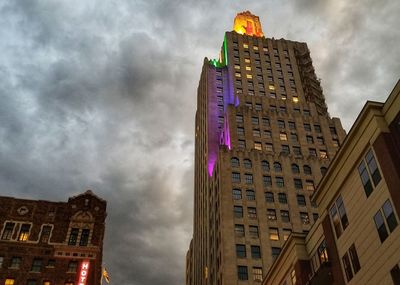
x: 225, y: 52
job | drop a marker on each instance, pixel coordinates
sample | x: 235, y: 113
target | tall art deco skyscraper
x: 263, y: 141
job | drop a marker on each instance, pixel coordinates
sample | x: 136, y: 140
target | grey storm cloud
x: 102, y: 94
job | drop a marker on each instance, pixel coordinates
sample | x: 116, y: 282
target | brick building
x: 46, y: 243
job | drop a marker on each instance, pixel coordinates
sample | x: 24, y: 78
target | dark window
x: 347, y: 267
x: 36, y: 265
x: 323, y: 170
x: 255, y: 251
x: 253, y: 230
x: 269, y: 197
x: 279, y: 182
x: 250, y: 195
x: 24, y: 232
x: 84, y: 237
x: 295, y: 168
x: 266, y: 122
x: 333, y: 130
x: 237, y: 194
x: 242, y: 144
x: 391, y: 222
x: 51, y: 263
x: 297, y: 150
x: 373, y: 167
x: 265, y: 165
x: 16, y: 262
x: 72, y: 266
x: 395, y: 273
x: 372, y: 172
x: 235, y: 177
x: 254, y: 120
x: 73, y: 237
x: 354, y: 258
x: 312, y: 151
x: 281, y: 124
x: 307, y: 127
x: 241, y: 250
x: 315, y: 216
x: 339, y: 216
x: 248, y: 178
x: 298, y: 183
x: 277, y: 167
x: 252, y: 213
x: 317, y: 128
x: 46, y: 231
x: 310, y: 139
x: 389, y: 215
x: 247, y: 163
x: 238, y: 211
x: 306, y: 112
x: 239, y: 230
x: 242, y: 273
x: 275, y: 252
x: 292, y: 125
x: 239, y: 119
x: 301, y: 200
x: 235, y: 162
x: 293, y: 137
x: 307, y: 170
x: 8, y: 231
x: 31, y: 282
x: 240, y: 131
x: 267, y: 181
x: 282, y: 197
x: 285, y: 216
x: 320, y: 140
x: 285, y: 149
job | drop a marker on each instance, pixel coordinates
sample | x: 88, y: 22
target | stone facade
x: 44, y: 242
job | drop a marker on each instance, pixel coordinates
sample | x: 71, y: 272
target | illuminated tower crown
x: 247, y: 23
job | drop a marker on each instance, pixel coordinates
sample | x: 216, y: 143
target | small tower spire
x: 247, y: 23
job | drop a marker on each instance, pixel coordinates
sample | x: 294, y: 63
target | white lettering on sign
x: 83, y: 273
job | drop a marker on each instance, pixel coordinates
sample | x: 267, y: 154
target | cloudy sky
x: 101, y: 95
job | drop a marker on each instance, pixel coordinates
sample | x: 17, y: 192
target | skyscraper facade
x: 263, y: 141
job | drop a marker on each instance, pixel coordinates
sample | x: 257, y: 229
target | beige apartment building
x: 264, y: 139
x: 356, y: 239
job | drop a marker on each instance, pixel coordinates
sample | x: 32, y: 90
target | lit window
x: 283, y: 136
x: 36, y: 265
x: 387, y: 222
x: 46, y: 283
x: 238, y: 211
x: 335, y: 142
x: 242, y: 273
x: 8, y: 231
x: 339, y: 216
x: 310, y: 185
x: 323, y: 154
x: 282, y: 198
x: 24, y: 232
x: 273, y: 234
x: 9, y: 281
x: 293, y: 276
x: 237, y: 67
x: 255, y: 252
x: 15, y: 262
x: 249, y: 76
x: 246, y: 60
x: 269, y: 197
x: 257, y: 274
x: 271, y: 87
x: 240, y: 250
x: 237, y: 194
x: 245, y: 46
x: 258, y: 145
x: 295, y: 99
x: 285, y: 216
x: 250, y: 195
x: 271, y: 214
x: 73, y: 237
x: 253, y: 231
x: 305, y: 219
x: 286, y: 233
x: 237, y: 74
x: 248, y: 68
x: 369, y: 173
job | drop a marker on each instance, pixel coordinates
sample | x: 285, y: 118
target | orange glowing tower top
x: 247, y: 23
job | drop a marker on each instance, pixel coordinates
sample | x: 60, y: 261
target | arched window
x: 247, y: 163
x: 235, y: 162
x: 265, y: 165
x: 295, y: 168
x: 323, y: 170
x: 307, y: 170
x: 277, y: 167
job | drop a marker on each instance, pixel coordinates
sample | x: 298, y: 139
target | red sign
x: 83, y: 274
